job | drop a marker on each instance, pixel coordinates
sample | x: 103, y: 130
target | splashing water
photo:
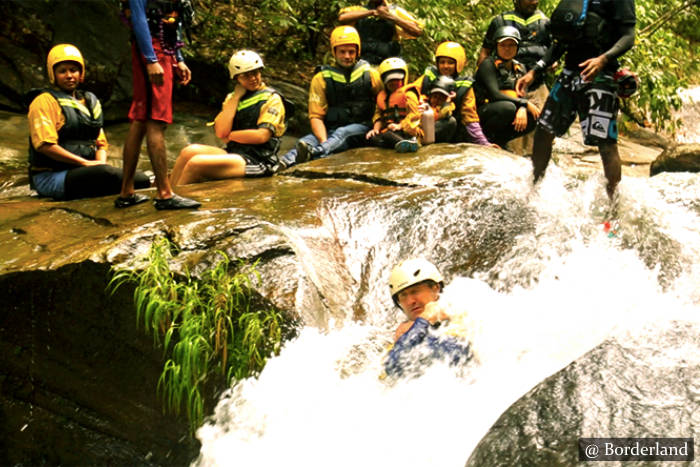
x: 534, y: 270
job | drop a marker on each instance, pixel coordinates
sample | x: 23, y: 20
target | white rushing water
x: 559, y: 288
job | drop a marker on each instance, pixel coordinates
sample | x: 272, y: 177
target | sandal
x: 176, y: 202
x: 130, y: 200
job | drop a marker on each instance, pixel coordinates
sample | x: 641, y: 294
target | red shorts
x: 152, y: 102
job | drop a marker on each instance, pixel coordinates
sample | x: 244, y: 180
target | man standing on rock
x: 586, y: 86
x: 341, y: 101
x: 156, y: 59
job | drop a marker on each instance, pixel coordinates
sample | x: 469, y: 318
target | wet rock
x: 642, y: 385
x: 680, y: 158
x: 79, y: 377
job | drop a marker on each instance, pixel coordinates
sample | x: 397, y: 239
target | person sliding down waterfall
x: 415, y: 286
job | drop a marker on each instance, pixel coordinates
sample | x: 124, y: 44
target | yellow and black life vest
x: 79, y: 133
x: 349, y: 95
x: 247, y: 115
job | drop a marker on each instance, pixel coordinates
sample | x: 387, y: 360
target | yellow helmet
x: 64, y: 53
x: 411, y: 272
x: 454, y: 51
x: 345, y: 35
x: 242, y: 61
x: 391, y: 68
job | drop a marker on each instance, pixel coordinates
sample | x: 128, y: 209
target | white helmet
x: 242, y: 61
x: 411, y: 272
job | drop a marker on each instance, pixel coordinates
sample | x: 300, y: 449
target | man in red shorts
x: 156, y: 59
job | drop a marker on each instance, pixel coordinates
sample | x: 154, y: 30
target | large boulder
x: 680, y: 158
x: 640, y: 385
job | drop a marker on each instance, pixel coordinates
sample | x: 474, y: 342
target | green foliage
x: 207, y: 328
x: 297, y: 30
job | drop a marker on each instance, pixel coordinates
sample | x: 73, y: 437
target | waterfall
x: 534, y: 270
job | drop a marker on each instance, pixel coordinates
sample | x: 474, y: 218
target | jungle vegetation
x: 210, y: 329
x: 293, y: 35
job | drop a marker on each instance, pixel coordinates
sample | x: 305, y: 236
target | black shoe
x: 303, y: 152
x: 130, y: 200
x: 176, y: 202
x: 279, y: 166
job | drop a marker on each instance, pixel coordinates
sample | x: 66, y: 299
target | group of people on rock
x: 364, y: 98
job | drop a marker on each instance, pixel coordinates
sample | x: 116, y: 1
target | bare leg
x: 204, y: 167
x: 155, y: 142
x: 130, y: 156
x: 187, y: 153
x: 541, y: 152
x: 611, y: 165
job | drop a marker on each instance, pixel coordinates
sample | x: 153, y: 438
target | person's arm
x: 551, y: 56
x: 591, y: 67
x: 59, y: 153
x: 139, y: 25
x: 483, y: 55
x: 251, y: 136
x: 223, y: 123
x: 403, y: 20
x: 350, y: 15
x: 318, y: 106
x: 411, y: 122
x: 318, y: 128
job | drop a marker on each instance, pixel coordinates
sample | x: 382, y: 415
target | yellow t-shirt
x: 46, y: 119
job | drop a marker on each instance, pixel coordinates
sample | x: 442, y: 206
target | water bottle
x: 427, y: 122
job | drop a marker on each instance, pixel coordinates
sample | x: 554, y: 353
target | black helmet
x: 444, y: 85
x: 507, y: 32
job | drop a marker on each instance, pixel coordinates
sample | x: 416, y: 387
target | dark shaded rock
x: 680, y: 158
x: 77, y: 377
x: 32, y: 27
x: 647, y: 385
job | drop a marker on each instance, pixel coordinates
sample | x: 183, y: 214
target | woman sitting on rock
x: 504, y: 115
x: 68, y: 147
x: 251, y: 122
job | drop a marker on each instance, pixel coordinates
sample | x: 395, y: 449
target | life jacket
x: 507, y: 77
x: 463, y: 84
x: 247, y: 114
x: 349, y: 95
x: 573, y: 22
x: 535, y: 38
x: 394, y: 108
x: 377, y: 37
x: 77, y: 135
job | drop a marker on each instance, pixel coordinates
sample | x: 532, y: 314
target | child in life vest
x: 397, y: 114
x: 438, y: 124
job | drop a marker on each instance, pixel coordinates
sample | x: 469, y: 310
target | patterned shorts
x: 596, y: 104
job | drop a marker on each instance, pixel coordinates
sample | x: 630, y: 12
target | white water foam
x: 321, y: 401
